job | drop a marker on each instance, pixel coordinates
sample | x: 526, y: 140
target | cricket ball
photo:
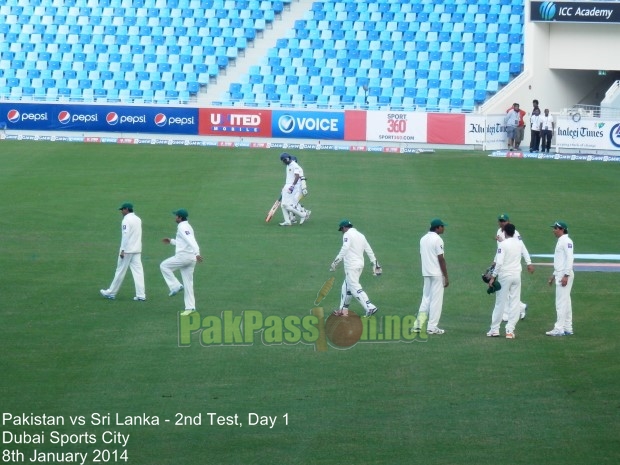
x: 344, y: 331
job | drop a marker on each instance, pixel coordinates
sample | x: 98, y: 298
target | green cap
x: 437, y: 222
x: 503, y: 217
x: 182, y: 212
x: 126, y: 205
x: 344, y: 224
x: 560, y: 224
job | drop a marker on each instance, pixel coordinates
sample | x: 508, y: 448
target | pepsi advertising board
x: 308, y: 125
x: 99, y: 118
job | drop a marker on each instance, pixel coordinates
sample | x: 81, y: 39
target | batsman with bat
x: 354, y: 245
x: 292, y: 192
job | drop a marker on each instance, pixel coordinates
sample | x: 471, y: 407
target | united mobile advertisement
x: 594, y: 134
x: 318, y: 125
x: 99, y: 118
x: 396, y: 126
x: 234, y: 122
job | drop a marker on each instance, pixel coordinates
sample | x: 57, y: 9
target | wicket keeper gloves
x: 377, y: 270
x: 488, y: 274
x: 334, y: 265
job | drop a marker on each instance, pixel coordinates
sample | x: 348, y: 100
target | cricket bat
x: 327, y: 286
x: 273, y: 210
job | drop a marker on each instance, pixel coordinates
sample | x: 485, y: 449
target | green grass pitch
x: 460, y: 398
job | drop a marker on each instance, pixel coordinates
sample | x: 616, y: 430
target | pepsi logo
x: 112, y: 118
x: 160, y: 119
x: 13, y: 116
x: 64, y: 117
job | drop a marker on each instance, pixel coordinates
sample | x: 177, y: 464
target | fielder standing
x: 291, y: 192
x: 186, y: 254
x: 503, y: 220
x: 563, y: 276
x: 508, y: 272
x: 435, y: 274
x: 354, y: 245
x: 129, y: 256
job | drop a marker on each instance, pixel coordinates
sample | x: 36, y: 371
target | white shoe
x: 188, y: 312
x: 510, y: 335
x: 493, y: 334
x: 139, y: 299
x: 305, y: 218
x: 107, y: 295
x: 175, y: 291
x: 286, y: 223
x: 555, y: 332
x: 435, y: 331
x: 371, y: 312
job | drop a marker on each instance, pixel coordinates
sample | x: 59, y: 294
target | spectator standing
x: 547, y: 128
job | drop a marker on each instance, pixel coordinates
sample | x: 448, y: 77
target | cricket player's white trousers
x: 432, y: 300
x: 185, y: 264
x: 563, y: 305
x: 351, y: 287
x: 507, y: 302
x: 131, y: 261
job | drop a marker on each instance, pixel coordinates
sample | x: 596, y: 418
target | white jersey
x: 185, y: 241
x: 292, y: 169
x: 546, y: 122
x: 501, y: 236
x: 354, y: 244
x: 431, y: 246
x: 508, y: 257
x: 563, y: 257
x: 131, y: 233
x: 535, y: 122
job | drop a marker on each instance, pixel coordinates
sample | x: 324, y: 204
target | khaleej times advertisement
x: 587, y: 133
x: 396, y: 126
x: 487, y: 131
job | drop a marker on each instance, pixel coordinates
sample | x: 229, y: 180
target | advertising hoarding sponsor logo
x: 394, y: 126
x: 15, y: 116
x: 614, y: 135
x: 308, y: 125
x: 253, y: 123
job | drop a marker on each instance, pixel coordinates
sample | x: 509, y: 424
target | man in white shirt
x: 291, y: 192
x: 186, y: 255
x: 435, y: 274
x: 129, y: 256
x: 503, y: 220
x: 535, y: 131
x: 508, y: 272
x: 563, y: 276
x: 354, y: 245
x: 547, y: 128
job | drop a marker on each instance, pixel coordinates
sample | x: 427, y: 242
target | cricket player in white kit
x: 508, y: 272
x: 504, y: 220
x: 291, y: 192
x: 435, y: 274
x: 186, y: 254
x: 354, y: 245
x: 129, y: 256
x: 563, y: 275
